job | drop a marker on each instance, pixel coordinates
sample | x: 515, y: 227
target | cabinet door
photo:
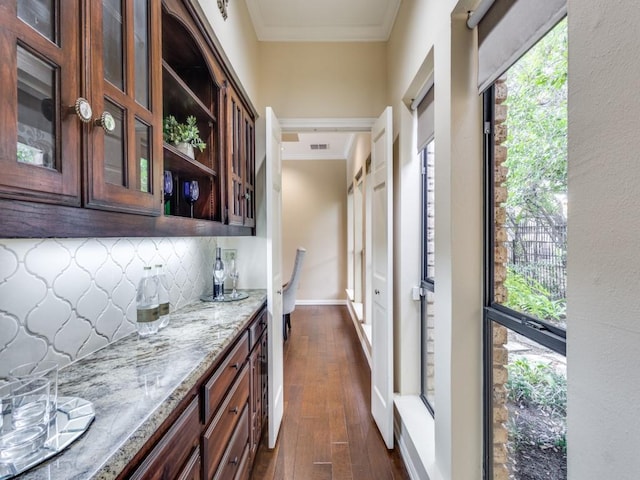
x: 240, y: 164
x: 39, y: 78
x: 255, y: 361
x: 249, y: 172
x: 235, y: 186
x: 125, y: 164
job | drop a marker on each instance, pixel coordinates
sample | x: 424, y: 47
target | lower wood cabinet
x: 170, y: 458
x: 215, y: 434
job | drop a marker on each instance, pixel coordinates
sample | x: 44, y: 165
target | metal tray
x: 227, y: 297
x: 73, y: 417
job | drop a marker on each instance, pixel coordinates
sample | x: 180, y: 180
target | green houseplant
x: 185, y: 136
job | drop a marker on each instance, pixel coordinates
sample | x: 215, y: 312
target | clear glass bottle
x: 163, y: 296
x: 218, y: 276
x: 147, y: 304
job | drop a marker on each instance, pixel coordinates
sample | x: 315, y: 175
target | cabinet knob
x: 234, y: 461
x: 376, y: 291
x: 234, y: 410
x: 82, y: 109
x: 235, y: 365
x: 106, y: 121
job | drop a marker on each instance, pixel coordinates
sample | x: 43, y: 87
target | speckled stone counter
x: 135, y: 383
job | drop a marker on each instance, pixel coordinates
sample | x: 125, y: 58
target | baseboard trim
x: 321, y: 302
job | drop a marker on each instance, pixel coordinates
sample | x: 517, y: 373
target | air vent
x: 319, y: 146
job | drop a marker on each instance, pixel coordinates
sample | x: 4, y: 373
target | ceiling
x: 323, y: 20
x: 298, y: 146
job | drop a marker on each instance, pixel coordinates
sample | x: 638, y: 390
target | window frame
x: 426, y: 283
x: 542, y: 332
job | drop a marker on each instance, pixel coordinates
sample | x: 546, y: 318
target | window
x: 427, y: 283
x: 526, y: 219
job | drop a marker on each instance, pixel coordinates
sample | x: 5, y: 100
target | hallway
x: 327, y: 430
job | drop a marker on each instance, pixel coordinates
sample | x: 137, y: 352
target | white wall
x: 603, y: 338
x: 432, y: 37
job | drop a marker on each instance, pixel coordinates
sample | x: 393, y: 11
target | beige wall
x: 238, y: 42
x: 316, y: 80
x: 314, y: 216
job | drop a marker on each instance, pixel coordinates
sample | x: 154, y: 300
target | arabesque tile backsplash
x: 61, y: 299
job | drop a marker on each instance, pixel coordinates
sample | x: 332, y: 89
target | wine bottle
x: 218, y: 276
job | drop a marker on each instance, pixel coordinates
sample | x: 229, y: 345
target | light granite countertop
x: 135, y: 383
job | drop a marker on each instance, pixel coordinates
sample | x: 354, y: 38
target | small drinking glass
x: 191, y: 190
x: 24, y: 429
x: 48, y: 370
x: 233, y: 274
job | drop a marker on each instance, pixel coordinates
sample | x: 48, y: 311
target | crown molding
x: 360, y: 124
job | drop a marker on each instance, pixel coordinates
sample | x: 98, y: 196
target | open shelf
x: 181, y: 98
x: 178, y: 162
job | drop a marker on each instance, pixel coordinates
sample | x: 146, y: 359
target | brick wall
x: 500, y: 353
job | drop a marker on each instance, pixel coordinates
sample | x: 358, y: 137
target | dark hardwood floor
x: 327, y: 431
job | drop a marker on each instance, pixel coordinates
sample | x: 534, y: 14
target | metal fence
x: 538, y: 250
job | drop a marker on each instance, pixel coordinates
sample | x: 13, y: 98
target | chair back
x: 289, y: 292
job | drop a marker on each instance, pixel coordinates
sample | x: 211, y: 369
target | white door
x: 382, y: 275
x: 274, y: 274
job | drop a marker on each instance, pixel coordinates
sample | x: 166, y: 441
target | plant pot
x: 187, y: 149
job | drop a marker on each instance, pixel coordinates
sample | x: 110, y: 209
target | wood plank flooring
x: 327, y: 430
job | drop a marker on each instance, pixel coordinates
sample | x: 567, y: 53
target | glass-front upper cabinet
x: 40, y: 128
x: 240, y: 164
x: 81, y: 103
x: 126, y: 163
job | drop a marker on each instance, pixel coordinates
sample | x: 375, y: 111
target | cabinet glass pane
x: 40, y: 15
x: 141, y: 40
x: 143, y: 154
x: 114, y: 171
x: 36, y: 111
x: 112, y: 51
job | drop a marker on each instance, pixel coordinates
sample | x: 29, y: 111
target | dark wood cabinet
x: 258, y: 368
x: 215, y: 432
x: 85, y: 87
x: 240, y: 163
x: 40, y: 81
x: 173, y: 455
x: 78, y: 96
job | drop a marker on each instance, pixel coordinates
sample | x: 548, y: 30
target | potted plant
x: 185, y: 136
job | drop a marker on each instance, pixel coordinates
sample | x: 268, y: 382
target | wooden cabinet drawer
x: 256, y: 328
x: 217, y: 435
x: 167, y: 458
x: 218, y: 384
x: 193, y: 469
x: 230, y: 464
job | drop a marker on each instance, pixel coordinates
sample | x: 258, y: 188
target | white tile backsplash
x: 62, y: 299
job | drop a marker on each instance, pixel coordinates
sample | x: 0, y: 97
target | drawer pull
x: 233, y: 410
x: 234, y: 461
x: 235, y: 365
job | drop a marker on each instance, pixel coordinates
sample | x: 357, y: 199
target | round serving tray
x: 227, y: 297
x: 73, y: 417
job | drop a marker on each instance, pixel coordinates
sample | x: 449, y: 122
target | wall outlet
x: 228, y: 254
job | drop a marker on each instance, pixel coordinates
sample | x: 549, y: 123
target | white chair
x: 289, y: 290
